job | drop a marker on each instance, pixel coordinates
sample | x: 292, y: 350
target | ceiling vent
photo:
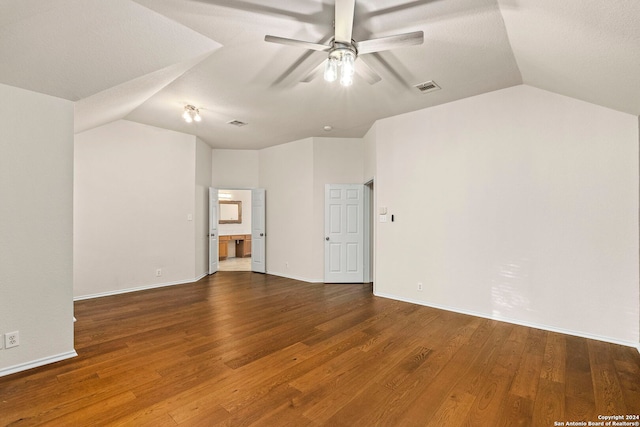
x: 237, y: 123
x: 429, y: 86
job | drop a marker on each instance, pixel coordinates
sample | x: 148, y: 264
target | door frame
x: 212, y: 232
x: 369, y: 232
x: 265, y: 225
x: 259, y: 236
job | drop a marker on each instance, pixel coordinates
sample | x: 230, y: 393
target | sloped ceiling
x: 588, y: 50
x: 144, y: 60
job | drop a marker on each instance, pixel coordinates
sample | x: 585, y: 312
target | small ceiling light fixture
x: 191, y: 114
x: 341, y: 63
x: 328, y: 128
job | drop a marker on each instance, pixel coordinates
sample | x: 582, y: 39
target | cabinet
x: 243, y: 246
x: 223, y: 247
x: 242, y: 242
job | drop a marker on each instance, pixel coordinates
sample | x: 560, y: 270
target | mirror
x: 230, y: 212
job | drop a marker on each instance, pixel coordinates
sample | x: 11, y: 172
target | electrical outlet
x: 159, y: 272
x: 11, y: 339
x: 420, y: 286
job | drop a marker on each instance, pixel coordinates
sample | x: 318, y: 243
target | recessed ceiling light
x: 328, y: 128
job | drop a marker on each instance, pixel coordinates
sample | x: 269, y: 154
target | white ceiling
x: 144, y: 60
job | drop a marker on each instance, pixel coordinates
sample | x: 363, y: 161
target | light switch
x: 189, y: 217
x: 383, y: 210
x: 383, y: 218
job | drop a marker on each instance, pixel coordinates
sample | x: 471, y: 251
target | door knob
x: 261, y: 234
x: 326, y: 238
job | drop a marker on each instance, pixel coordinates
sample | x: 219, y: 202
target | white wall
x: 235, y: 169
x: 518, y: 204
x: 335, y: 161
x: 369, y: 147
x: 36, y: 188
x: 286, y: 172
x: 134, y: 190
x: 201, y: 215
x: 294, y: 176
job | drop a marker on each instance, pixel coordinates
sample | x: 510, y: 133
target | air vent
x: 429, y: 86
x: 237, y: 123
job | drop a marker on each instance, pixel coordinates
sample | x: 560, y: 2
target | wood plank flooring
x: 244, y: 349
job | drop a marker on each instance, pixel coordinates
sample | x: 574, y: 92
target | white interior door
x: 344, y: 233
x: 258, y: 230
x: 213, y: 230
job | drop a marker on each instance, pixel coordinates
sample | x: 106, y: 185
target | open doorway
x: 234, y: 230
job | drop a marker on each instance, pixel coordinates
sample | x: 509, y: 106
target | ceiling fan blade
x: 391, y: 42
x: 344, y: 20
x: 366, y: 72
x: 297, y: 43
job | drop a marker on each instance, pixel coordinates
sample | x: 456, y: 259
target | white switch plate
x: 383, y: 218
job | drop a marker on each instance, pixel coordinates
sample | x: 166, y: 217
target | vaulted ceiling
x: 144, y: 60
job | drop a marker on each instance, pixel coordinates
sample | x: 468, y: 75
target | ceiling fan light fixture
x: 341, y: 63
x: 331, y: 70
x: 348, y: 68
x: 191, y: 114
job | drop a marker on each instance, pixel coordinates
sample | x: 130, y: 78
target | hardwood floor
x: 242, y: 349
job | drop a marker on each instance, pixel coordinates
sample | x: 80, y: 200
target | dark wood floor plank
x: 517, y: 411
x: 525, y: 382
x: 553, y: 363
x: 549, y: 406
x: 609, y: 397
x: 579, y: 394
x: 244, y: 349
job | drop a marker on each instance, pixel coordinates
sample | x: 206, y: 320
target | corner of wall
x: 36, y: 183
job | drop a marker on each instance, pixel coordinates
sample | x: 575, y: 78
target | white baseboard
x: 289, y: 276
x: 138, y: 288
x: 36, y: 363
x: 200, y: 277
x: 512, y: 321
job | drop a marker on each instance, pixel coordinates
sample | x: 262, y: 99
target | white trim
x: 200, y: 277
x: 36, y: 363
x: 301, y: 279
x: 513, y: 321
x: 138, y: 288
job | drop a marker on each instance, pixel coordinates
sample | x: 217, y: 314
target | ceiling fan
x: 343, y: 50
